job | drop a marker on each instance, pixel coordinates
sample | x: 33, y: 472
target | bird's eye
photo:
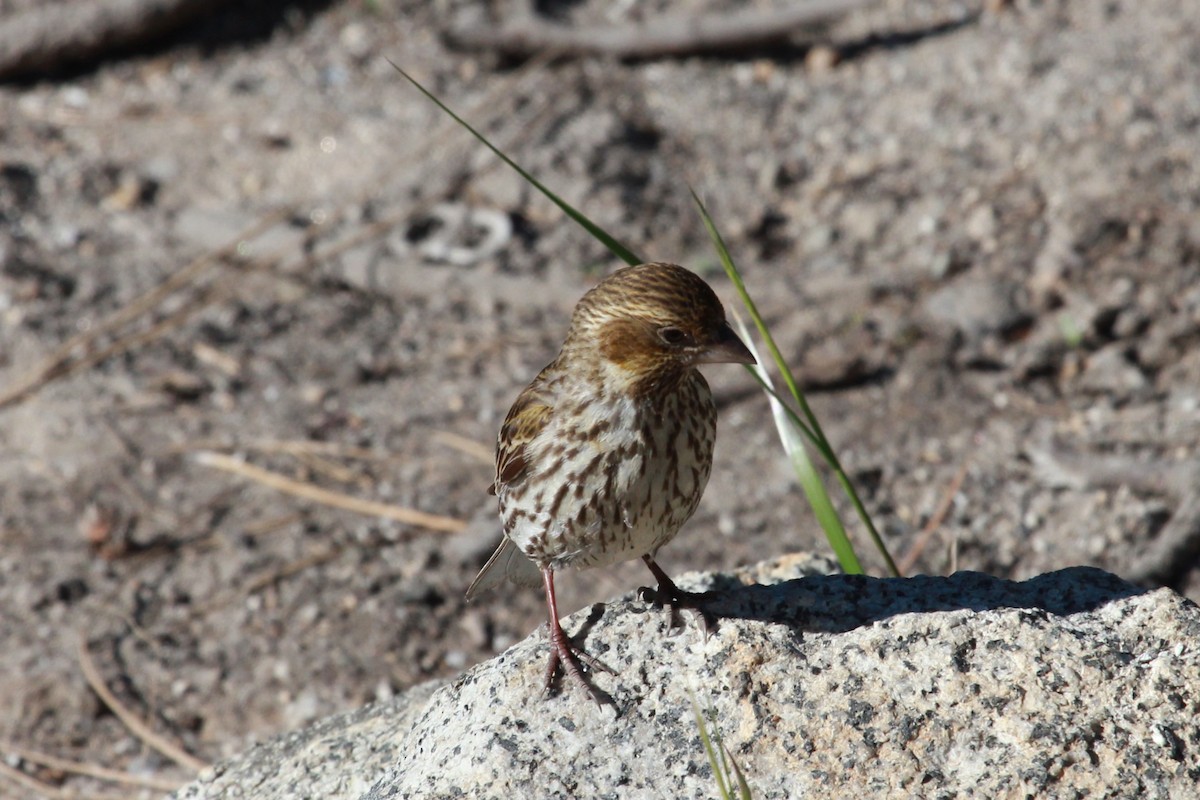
x: 675, y: 337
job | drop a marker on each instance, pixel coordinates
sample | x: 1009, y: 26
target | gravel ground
x: 975, y: 233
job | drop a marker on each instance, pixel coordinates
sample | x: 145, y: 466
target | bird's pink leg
x: 563, y: 650
x: 674, y: 598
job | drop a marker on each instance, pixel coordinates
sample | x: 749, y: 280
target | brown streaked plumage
x: 606, y: 453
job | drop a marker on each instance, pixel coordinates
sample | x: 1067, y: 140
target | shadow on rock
x: 840, y: 603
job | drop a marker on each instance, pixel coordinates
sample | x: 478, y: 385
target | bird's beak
x: 726, y: 348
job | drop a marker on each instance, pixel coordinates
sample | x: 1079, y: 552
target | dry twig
x: 462, y: 444
x: 131, y: 720
x: 273, y: 576
x: 675, y: 35
x: 268, y: 577
x: 78, y: 353
x: 1173, y: 552
x: 46, y: 790
x: 271, y: 524
x: 316, y: 494
x: 934, y: 522
x: 91, y: 770
x: 83, y: 350
x: 291, y: 447
x: 48, y: 36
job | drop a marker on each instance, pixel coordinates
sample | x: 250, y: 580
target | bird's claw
x: 672, y: 598
x: 573, y: 658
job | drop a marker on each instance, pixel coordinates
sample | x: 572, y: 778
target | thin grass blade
x: 709, y: 750
x: 619, y: 250
x: 811, y: 428
x: 743, y: 786
x: 810, y: 481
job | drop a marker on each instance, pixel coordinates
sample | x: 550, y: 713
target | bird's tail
x: 507, y: 562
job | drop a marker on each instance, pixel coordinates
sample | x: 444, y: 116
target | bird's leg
x: 669, y: 595
x: 564, y: 651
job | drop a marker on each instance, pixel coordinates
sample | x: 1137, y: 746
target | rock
x: 838, y: 362
x: 981, y: 226
x: 1110, y: 372
x: 822, y: 58
x: 976, y: 306
x: 338, y: 757
x: 1069, y: 684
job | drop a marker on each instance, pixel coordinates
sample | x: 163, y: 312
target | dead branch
x: 476, y: 450
x: 86, y: 349
x: 90, y: 770
x: 81, y: 351
x: 671, y: 35
x: 273, y: 576
x: 939, y: 516
x: 49, y: 36
x: 330, y: 498
x: 291, y: 447
x: 42, y: 789
x: 131, y: 720
x: 1174, y: 550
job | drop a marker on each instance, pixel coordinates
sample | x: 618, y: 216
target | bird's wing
x: 526, y: 419
x: 507, y: 562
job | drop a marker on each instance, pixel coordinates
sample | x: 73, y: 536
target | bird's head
x: 651, y: 323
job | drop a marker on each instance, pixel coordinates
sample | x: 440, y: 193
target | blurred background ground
x: 974, y: 228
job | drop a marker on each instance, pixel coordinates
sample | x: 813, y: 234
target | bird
x: 605, y: 455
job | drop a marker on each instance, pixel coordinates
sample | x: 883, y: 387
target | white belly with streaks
x: 623, y: 493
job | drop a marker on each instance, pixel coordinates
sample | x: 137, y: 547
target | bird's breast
x: 611, y: 478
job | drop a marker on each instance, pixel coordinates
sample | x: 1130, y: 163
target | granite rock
x: 1074, y: 683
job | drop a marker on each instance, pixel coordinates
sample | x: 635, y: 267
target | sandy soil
x: 975, y: 234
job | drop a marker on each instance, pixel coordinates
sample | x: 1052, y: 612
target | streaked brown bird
x: 606, y: 454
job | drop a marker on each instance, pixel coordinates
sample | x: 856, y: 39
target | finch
x: 605, y: 455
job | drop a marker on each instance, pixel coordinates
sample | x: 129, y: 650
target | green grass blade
x: 709, y: 750
x: 812, y: 428
x: 729, y: 767
x: 735, y: 276
x: 790, y: 428
x: 743, y: 786
x: 843, y: 479
x: 619, y: 250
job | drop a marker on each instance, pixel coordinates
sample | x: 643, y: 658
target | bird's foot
x: 572, y: 657
x: 672, y: 598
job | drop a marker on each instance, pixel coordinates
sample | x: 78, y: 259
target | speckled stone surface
x: 1071, y: 684
x: 338, y: 757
